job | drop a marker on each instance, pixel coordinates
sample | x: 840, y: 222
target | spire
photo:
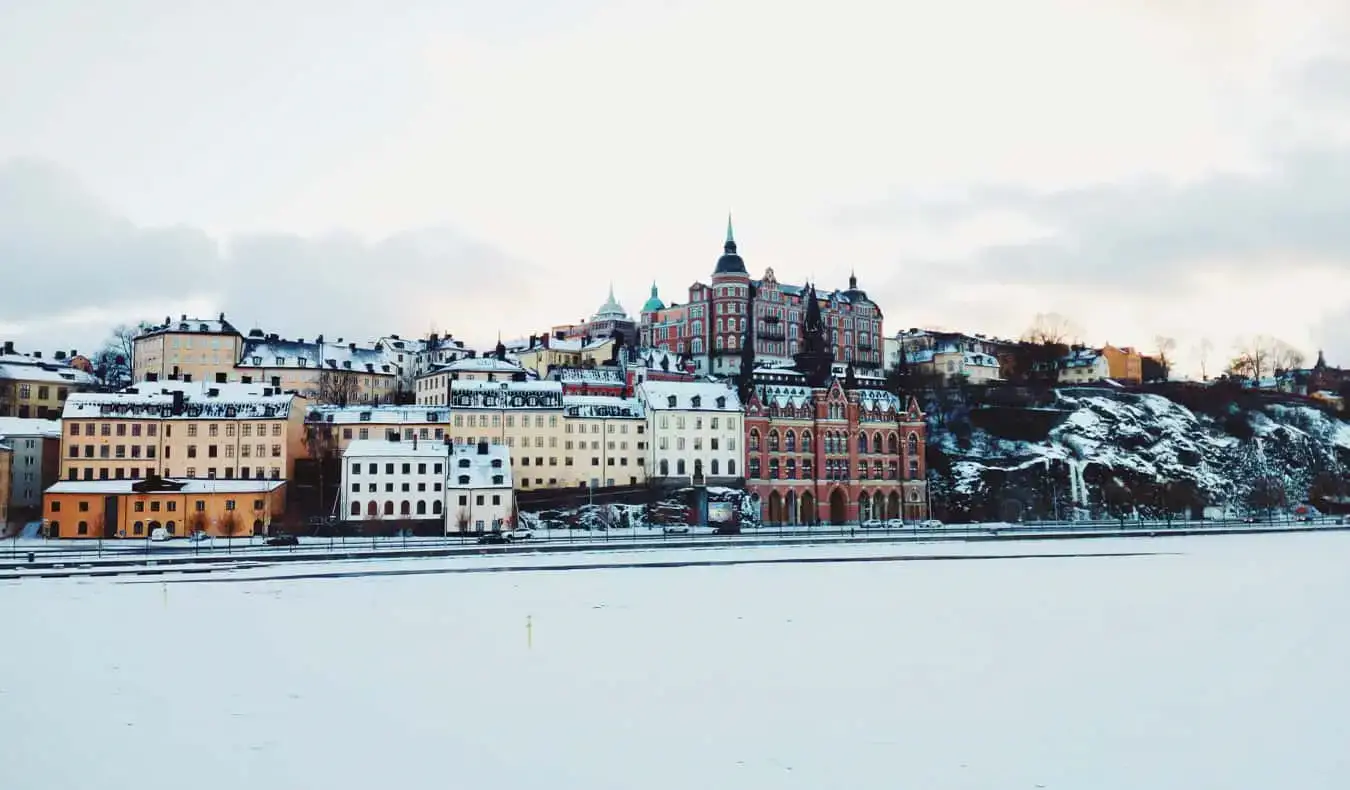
x: 745, y: 379
x: 852, y: 280
x: 730, y: 246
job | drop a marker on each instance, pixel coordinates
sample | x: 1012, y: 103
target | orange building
x: 134, y: 508
x: 1125, y: 363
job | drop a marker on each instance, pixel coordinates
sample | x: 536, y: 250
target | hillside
x: 1097, y: 452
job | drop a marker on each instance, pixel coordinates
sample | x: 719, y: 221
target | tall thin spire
x: 730, y: 245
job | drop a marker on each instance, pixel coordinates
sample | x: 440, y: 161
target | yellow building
x: 33, y: 388
x: 547, y: 353
x: 433, y: 387
x: 6, y: 464
x: 173, y: 429
x: 337, y: 373
x: 135, y: 508
x: 191, y: 349
x: 1124, y: 364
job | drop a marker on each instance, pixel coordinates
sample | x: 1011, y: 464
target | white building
x: 433, y: 387
x: 695, y: 432
x: 37, y: 452
x: 461, y: 487
x: 607, y: 437
x: 1084, y: 366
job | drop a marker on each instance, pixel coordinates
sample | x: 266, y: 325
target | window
x: 463, y: 480
x: 192, y: 429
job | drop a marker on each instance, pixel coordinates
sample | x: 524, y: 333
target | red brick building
x: 833, y: 454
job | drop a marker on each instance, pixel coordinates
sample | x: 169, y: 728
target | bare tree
x: 338, y: 387
x: 462, y: 520
x: 113, y: 364
x: 1166, y: 346
x: 1267, y: 493
x: 1202, y: 350
x: 1262, y: 355
x: 228, y: 525
x: 1052, y: 329
x: 197, y: 522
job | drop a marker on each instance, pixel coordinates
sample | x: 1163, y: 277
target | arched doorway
x: 790, y: 507
x: 838, y: 507
x: 257, y: 526
x: 775, y: 508
x: 878, y: 504
x: 808, y: 508
x: 893, y: 507
x: 864, y: 506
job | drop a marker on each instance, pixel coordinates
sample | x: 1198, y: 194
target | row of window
x: 135, y: 428
x: 170, y: 505
x: 43, y: 392
x: 134, y: 473
x: 836, y: 442
x: 714, y: 423
x: 713, y: 443
x: 834, y: 470
x: 682, y: 469
x: 135, y: 451
x: 373, y: 508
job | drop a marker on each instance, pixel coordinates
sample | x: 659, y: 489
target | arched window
x: 712, y: 468
x: 356, y: 508
x: 792, y: 468
x: 892, y: 444
x: 912, y: 444
x: 388, y: 508
x: 731, y: 468
x: 773, y: 468
x: 806, y: 469
x: 405, y: 508
x: 754, y: 468
x: 790, y: 441
x: 719, y: 326
x: 679, y: 467
x: 806, y: 441
x: 436, y: 507
x: 862, y: 442
x: 372, y: 508
x: 773, y: 441
x: 719, y: 342
x: 665, y: 467
x: 754, y: 439
x: 876, y: 442
x: 421, y: 508
x: 463, y: 480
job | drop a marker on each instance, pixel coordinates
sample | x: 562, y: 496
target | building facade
x: 1084, y: 366
x: 34, y: 463
x: 135, y: 508
x: 954, y: 356
x: 338, y: 373
x: 6, y: 464
x: 433, y: 388
x: 1124, y: 364
x: 193, y: 349
x: 695, y: 433
x: 180, y: 430
x: 604, y: 442
x: 833, y: 454
x: 463, y: 488
x: 719, y: 320
x: 545, y: 354
x: 34, y: 388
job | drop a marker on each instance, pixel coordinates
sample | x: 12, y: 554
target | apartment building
x: 338, y: 373
x: 135, y: 508
x: 604, y: 443
x: 34, y: 464
x: 433, y: 387
x: 6, y: 464
x: 192, y: 349
x: 952, y: 355
x: 452, y: 487
x: 694, y: 431
x: 34, y: 388
x: 183, y: 430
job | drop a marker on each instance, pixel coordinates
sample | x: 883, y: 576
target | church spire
x: 730, y: 245
x: 852, y: 280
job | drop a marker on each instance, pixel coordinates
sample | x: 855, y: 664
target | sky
x: 1141, y: 167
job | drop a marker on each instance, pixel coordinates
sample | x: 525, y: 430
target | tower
x: 816, y: 358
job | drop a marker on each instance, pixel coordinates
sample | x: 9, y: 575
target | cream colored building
x: 192, y: 349
x: 694, y: 432
x: 433, y: 387
x: 465, y: 488
x: 952, y: 355
x: 33, y: 388
x: 338, y: 373
x: 1084, y: 366
x: 547, y: 353
x: 178, y: 429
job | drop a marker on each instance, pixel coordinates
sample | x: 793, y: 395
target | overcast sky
x: 1142, y: 167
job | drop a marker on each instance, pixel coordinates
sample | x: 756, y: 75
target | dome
x: 611, y: 308
x: 653, y: 303
x: 730, y: 262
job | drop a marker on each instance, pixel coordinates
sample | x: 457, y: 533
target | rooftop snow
x: 657, y: 395
x: 596, y: 406
x: 195, y: 485
x: 158, y: 405
x: 293, y: 354
x: 40, y: 371
x: 15, y: 427
x: 383, y: 448
x: 393, y: 415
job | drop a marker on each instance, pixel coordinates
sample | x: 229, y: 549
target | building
x: 438, y: 350
x: 1084, y: 366
x: 694, y: 431
x: 433, y: 387
x: 955, y: 356
x: 6, y: 483
x: 833, y: 454
x: 135, y: 508
x: 175, y: 429
x: 34, y: 388
x: 716, y: 325
x: 664, y: 327
x: 608, y: 380
x: 192, y: 349
x: 546, y: 354
x: 1123, y: 364
x: 334, y: 373
x: 525, y: 416
x: 604, y: 442
x: 459, y: 488
x: 34, y: 464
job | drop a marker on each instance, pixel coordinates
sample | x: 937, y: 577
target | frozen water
x: 1216, y: 662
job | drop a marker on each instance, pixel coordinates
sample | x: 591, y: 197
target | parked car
x: 198, y: 536
x: 677, y: 529
x: 159, y: 534
x: 930, y: 523
x: 895, y: 523
x: 493, y: 538
x: 282, y: 539
x: 873, y: 523
x: 520, y: 534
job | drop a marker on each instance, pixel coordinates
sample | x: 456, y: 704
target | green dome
x: 653, y: 303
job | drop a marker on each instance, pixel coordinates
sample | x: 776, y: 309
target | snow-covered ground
x: 1208, y: 662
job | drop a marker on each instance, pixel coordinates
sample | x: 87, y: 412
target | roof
x: 395, y: 415
x: 480, y: 365
x: 532, y: 385
x: 611, y: 309
x: 597, y: 406
x: 658, y: 394
x: 653, y: 302
x: 143, y: 405
x: 195, y: 485
x: 612, y: 376
x: 30, y: 369
x: 269, y: 352
x: 479, y: 470
x: 203, y: 326
x: 20, y: 426
x: 384, y: 448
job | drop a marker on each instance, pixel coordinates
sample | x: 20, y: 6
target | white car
x: 197, y: 537
x: 678, y: 529
x: 159, y: 534
x: 894, y: 523
x: 930, y: 523
x: 873, y: 523
x: 520, y: 534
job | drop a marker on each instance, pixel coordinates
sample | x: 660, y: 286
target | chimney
x: 351, y: 346
x: 222, y: 318
x: 74, y: 353
x: 177, y: 403
x: 187, y: 378
x: 37, y: 355
x: 59, y: 355
x: 184, y: 318
x: 9, y: 346
x: 319, y: 340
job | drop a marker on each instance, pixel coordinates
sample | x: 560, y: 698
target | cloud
x: 70, y: 261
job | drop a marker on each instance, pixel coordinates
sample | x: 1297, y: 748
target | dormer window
x: 347, y: 364
x: 496, y: 480
x: 365, y: 416
x: 281, y: 361
x: 496, y: 463
x: 463, y: 480
x: 302, y: 362
x: 257, y: 360
x: 463, y: 463
x: 670, y: 402
x: 203, y: 328
x: 696, y: 401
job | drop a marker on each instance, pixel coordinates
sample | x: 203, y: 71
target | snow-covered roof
x: 380, y: 415
x: 384, y: 448
x: 204, y: 326
x: 479, y: 365
x: 878, y: 399
x: 784, y: 396
x: 477, y: 385
x: 1082, y: 358
x: 270, y: 352
x: 26, y: 427
x: 689, y: 396
x: 588, y: 375
x: 31, y: 369
x: 593, y: 406
x: 159, y: 405
x: 505, y: 394
x: 571, y: 345
x: 484, y: 462
x: 192, y: 485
